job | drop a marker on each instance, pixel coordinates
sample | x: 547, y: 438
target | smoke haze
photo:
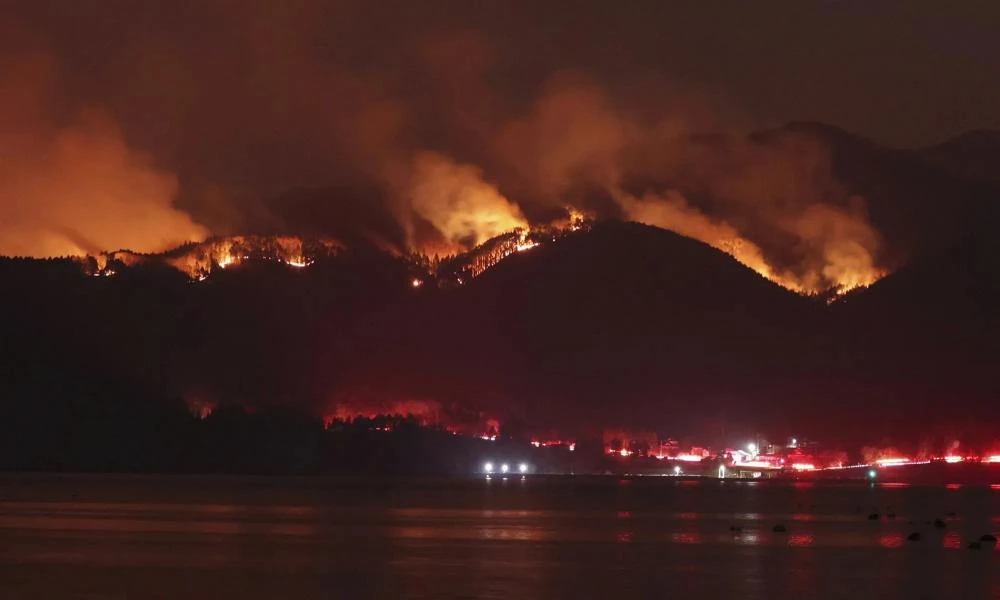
x: 76, y: 187
x: 143, y: 126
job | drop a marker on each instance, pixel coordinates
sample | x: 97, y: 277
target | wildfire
x: 502, y: 247
x: 198, y: 261
x: 525, y: 246
x: 840, y: 246
x: 459, y: 202
x: 485, y: 256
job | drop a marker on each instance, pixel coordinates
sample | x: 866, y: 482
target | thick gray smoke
x: 197, y: 125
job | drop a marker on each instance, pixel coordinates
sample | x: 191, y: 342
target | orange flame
x: 459, y: 203
x: 844, y: 244
x: 198, y: 261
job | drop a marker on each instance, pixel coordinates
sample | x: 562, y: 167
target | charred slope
x: 622, y: 323
x: 246, y: 334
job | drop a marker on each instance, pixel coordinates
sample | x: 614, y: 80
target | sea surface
x: 151, y: 537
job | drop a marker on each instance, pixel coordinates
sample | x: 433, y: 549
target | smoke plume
x: 428, y: 112
x: 466, y: 210
x: 77, y: 187
x: 771, y: 202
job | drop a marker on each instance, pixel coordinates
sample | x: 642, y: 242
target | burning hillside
x: 199, y: 260
x: 839, y: 243
x: 485, y: 256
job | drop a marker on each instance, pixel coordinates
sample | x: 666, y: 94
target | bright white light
x: 523, y: 468
x: 751, y: 448
x: 795, y: 442
x: 689, y: 457
x: 488, y: 467
x: 677, y: 470
x: 871, y: 474
x: 722, y: 471
x: 504, y: 468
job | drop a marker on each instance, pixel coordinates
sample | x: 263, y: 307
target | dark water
x: 189, y: 538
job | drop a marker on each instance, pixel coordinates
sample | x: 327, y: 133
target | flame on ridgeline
x: 490, y: 253
x: 464, y: 208
x: 199, y: 260
x: 843, y: 246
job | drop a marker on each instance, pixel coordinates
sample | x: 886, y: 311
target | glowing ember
x: 416, y: 283
x: 803, y: 467
x: 951, y: 459
x: 490, y: 253
x: 201, y: 408
x: 498, y: 249
x: 198, y: 261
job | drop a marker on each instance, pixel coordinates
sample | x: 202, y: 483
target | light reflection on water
x: 467, y: 539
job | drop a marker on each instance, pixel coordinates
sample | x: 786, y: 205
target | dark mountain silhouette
x: 934, y: 326
x: 619, y: 324
x: 974, y: 155
x: 616, y: 324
